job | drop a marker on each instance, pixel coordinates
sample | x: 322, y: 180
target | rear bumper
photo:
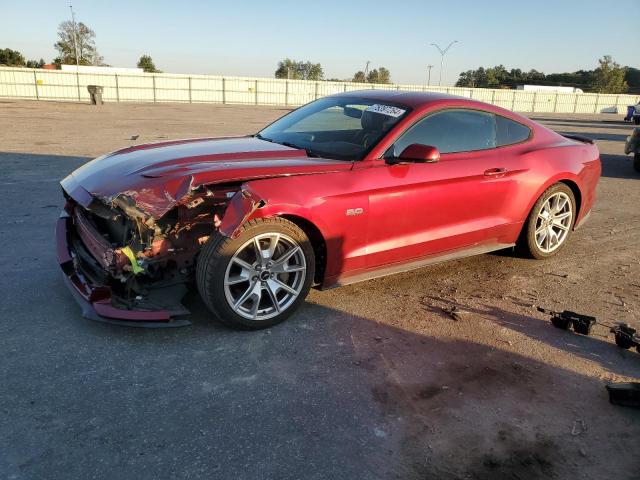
x: 96, y: 301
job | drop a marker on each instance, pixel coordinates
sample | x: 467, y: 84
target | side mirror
x: 418, y: 153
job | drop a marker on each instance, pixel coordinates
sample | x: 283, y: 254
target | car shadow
x: 618, y: 166
x: 346, y: 388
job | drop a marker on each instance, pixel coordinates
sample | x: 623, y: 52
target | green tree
x: 359, y: 77
x: 146, y: 63
x: 609, y: 77
x: 80, y: 39
x: 11, y: 58
x: 297, y: 70
x: 35, y: 63
x: 379, y: 75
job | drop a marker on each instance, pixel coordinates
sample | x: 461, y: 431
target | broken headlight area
x: 115, y: 244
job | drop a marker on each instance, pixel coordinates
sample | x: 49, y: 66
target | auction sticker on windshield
x: 386, y: 110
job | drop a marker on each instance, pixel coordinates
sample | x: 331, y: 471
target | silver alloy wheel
x: 265, y: 276
x: 553, y: 222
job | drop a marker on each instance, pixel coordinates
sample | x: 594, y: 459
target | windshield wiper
x: 257, y: 135
x: 309, y: 152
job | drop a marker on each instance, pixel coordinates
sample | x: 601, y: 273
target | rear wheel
x: 636, y: 120
x: 550, y: 222
x: 259, y: 278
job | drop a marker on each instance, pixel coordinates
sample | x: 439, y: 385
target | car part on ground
x: 626, y: 336
x: 625, y: 394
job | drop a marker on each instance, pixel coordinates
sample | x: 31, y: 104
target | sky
x: 248, y: 38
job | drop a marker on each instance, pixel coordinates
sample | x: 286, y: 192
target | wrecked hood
x: 156, y: 176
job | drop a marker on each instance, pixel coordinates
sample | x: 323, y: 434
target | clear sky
x: 248, y: 37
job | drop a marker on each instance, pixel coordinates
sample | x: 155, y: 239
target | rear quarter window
x: 509, y: 132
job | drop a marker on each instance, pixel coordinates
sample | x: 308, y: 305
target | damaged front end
x: 125, y: 265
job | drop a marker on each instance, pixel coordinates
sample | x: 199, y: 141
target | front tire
x: 550, y: 222
x: 258, y: 279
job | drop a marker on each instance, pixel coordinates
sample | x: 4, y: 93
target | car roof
x: 417, y: 100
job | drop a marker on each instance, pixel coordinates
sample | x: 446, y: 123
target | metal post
x: 575, y: 103
x: 224, y: 94
x: 154, y: 88
x: 189, y: 89
x: 493, y: 97
x: 617, y: 102
x: 555, y: 103
x: 35, y: 83
x: 513, y: 99
x: 78, y: 82
x: 286, y: 93
x: 533, y: 106
x: 255, y: 90
x: 345, y: 87
x: 117, y: 89
x: 315, y: 94
x: 595, y: 109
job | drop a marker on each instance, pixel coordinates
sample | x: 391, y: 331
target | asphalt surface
x: 370, y: 381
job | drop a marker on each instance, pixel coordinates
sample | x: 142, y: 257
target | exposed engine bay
x: 145, y: 261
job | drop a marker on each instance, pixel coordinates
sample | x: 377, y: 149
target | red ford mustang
x: 346, y: 188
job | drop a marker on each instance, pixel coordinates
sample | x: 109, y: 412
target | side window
x: 451, y: 131
x: 509, y: 132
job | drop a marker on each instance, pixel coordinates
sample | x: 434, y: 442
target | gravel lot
x: 369, y: 381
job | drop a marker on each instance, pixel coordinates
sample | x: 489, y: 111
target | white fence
x: 38, y: 84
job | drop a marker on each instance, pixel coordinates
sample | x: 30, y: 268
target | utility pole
x: 442, y: 54
x: 75, y: 47
x: 429, y: 67
x: 75, y: 36
x: 366, y: 70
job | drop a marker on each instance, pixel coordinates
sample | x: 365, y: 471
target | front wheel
x: 550, y: 222
x: 259, y: 278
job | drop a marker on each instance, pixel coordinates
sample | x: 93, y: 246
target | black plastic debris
x: 624, y: 394
x: 626, y: 336
x: 581, y: 324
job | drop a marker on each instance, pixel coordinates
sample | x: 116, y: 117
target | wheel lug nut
x: 254, y: 278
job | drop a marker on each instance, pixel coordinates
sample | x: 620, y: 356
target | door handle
x: 495, y: 172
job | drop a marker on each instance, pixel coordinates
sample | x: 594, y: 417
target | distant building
x: 549, y: 89
x: 92, y: 69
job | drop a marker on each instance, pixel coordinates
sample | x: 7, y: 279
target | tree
x: 297, y: 70
x: 609, y: 77
x: 379, y: 75
x: 359, y: 77
x: 35, y: 63
x: 80, y: 39
x: 146, y: 63
x: 11, y: 58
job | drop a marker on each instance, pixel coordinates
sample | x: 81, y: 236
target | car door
x: 420, y: 209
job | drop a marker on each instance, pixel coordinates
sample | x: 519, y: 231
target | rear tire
x: 636, y: 162
x: 258, y: 279
x: 550, y: 222
x: 636, y: 120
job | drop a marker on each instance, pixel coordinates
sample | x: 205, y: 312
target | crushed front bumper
x: 97, y: 301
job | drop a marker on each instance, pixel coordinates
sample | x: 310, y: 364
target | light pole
x: 429, y: 67
x: 442, y: 54
x: 75, y: 47
x: 75, y: 37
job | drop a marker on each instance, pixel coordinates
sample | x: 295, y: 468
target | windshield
x: 344, y: 128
